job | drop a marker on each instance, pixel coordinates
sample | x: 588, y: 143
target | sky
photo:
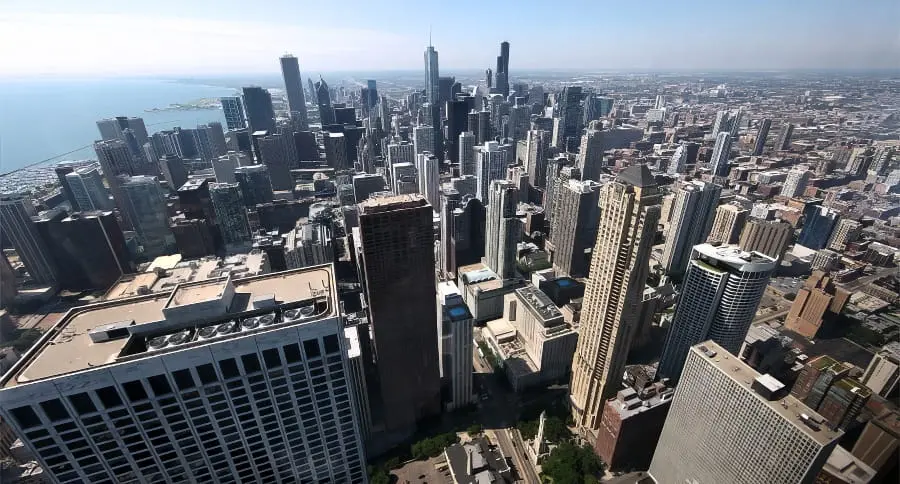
x: 108, y: 38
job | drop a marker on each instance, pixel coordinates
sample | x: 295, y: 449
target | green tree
x: 572, y: 464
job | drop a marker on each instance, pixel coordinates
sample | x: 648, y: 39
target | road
x: 514, y: 450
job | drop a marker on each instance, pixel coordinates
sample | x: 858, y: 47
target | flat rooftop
x: 788, y: 407
x: 67, y: 347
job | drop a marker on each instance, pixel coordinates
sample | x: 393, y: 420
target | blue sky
x: 196, y: 37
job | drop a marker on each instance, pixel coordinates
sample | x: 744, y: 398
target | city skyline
x: 791, y: 36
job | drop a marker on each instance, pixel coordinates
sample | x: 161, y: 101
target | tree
x: 474, y: 429
x: 572, y: 464
x: 433, y: 446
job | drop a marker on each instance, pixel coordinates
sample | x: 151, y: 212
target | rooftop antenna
x: 429, y: 36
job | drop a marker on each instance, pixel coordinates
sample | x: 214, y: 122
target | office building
x: 323, y: 101
x: 519, y: 122
x: 766, y: 438
x: 462, y: 231
x: 538, y: 146
x: 423, y: 139
x: 824, y: 385
x: 728, y: 224
x: 759, y: 145
x: 768, y: 237
x: 396, y: 257
x: 115, y: 161
x: 718, y: 161
x: 367, y: 184
x: 194, y: 199
x: 817, y: 299
x: 114, y: 128
x: 400, y: 152
x: 795, y: 184
x: 693, y: 211
x: 308, y: 244
x: 306, y: 146
x: 613, y: 292
x: 259, y: 110
x: 783, y: 143
x: 255, y: 183
x: 87, y: 190
x: 432, y: 73
x: 722, y: 123
x: 336, y: 151
x: 233, y: 109
x: 173, y: 169
x: 818, y: 224
x: 490, y: 165
x: 455, y: 346
x: 845, y: 231
x: 679, y: 160
x: 484, y: 131
x: 457, y: 123
x: 502, y: 72
x: 882, y: 375
x: 878, y: 444
x: 193, y: 237
x: 816, y: 377
x: 843, y: 403
x: 503, y: 230
x: 404, y: 179
x: 62, y: 169
x: 570, y: 122
x: 293, y: 87
x: 17, y: 226
x: 145, y: 206
x: 590, y: 154
x: 231, y: 215
x: 632, y: 422
x: 467, y: 153
x: 211, y: 381
x: 279, y: 153
x: 721, y: 291
x: 224, y: 166
x: 429, y: 178
x: 573, y: 229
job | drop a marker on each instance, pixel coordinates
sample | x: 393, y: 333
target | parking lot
x: 421, y: 472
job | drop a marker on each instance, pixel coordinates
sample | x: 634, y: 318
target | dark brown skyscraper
x: 398, y: 263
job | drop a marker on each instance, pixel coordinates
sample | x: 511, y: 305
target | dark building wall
x: 626, y: 444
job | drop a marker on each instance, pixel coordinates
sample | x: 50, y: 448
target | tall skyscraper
x: 818, y: 224
x: 293, y: 87
x: 429, y: 178
x: 467, y: 153
x: 279, y: 153
x: 721, y: 292
x: 17, y: 226
x: 502, y: 72
x: 423, y: 139
x: 490, y: 165
x: 783, y: 143
x: 432, y: 74
x: 590, y: 154
x: 114, y: 128
x: 728, y: 224
x: 766, y: 437
x: 400, y: 152
x: 255, y: 183
x: 231, y: 215
x: 721, y: 124
x: 718, y: 162
x: 62, y: 169
x: 795, y: 184
x: 457, y: 122
x: 764, y: 126
x: 233, y: 109
x: 86, y: 186
x: 323, y: 101
x: 845, y: 231
x: 396, y: 240
x: 573, y: 229
x: 538, y: 146
x: 173, y: 169
x: 503, y: 229
x: 455, y: 345
x: 570, y: 113
x: 145, y: 207
x: 692, y: 216
x: 614, y: 292
x: 767, y: 237
x: 259, y: 110
x: 257, y: 389
x: 679, y: 160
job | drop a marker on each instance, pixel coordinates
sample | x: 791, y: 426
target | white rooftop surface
x: 67, y: 347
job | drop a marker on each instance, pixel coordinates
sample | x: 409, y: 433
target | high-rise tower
x: 692, y: 216
x: 764, y: 126
x: 231, y: 215
x: 259, y: 110
x: 613, y: 292
x: 718, y: 162
x: 431, y: 75
x: 573, y: 229
x: 502, y: 73
x: 15, y: 221
x: 145, y: 206
x: 503, y: 230
x: 293, y: 86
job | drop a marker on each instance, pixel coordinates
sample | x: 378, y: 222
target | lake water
x: 41, y: 119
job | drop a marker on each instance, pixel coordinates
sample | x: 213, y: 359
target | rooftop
x: 789, y: 408
x: 392, y: 202
x: 844, y: 465
x: 539, y: 303
x: 67, y: 347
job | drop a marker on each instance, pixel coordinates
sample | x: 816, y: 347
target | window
x: 251, y: 363
x: 207, y: 374
x: 229, y: 368
x: 331, y: 344
x: 26, y: 417
x: 54, y: 410
x: 159, y: 385
x: 271, y: 358
x: 311, y: 347
x: 109, y: 397
x: 183, y: 379
x: 134, y: 390
x: 82, y: 403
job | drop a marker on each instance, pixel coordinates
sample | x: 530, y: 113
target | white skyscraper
x: 796, y: 182
x: 678, y: 160
x: 212, y: 381
x: 721, y: 291
x: 728, y: 423
x: 692, y: 216
x: 466, y: 153
x: 718, y: 162
x: 490, y: 165
x: 455, y: 345
x: 429, y: 178
x: 401, y: 152
x: 503, y: 230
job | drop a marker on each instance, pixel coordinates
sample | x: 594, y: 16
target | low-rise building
x: 477, y: 462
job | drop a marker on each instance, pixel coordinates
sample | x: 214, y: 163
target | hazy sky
x: 197, y: 37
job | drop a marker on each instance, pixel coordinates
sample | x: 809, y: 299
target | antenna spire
x: 429, y: 37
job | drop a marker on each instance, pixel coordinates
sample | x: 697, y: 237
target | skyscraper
x: 721, y: 291
x: 764, y: 126
x: 457, y: 122
x: 259, y: 110
x: 423, y: 139
x: 767, y: 237
x: 783, y: 143
x: 538, y: 146
x: 795, y: 184
x: 818, y: 298
x: 279, y: 153
x: 429, y: 178
x: 86, y: 186
x: 431, y: 75
x: 293, y: 87
x: 502, y: 73
x: 17, y: 227
x: 323, y: 101
x: 613, y: 292
x: 721, y: 124
x: 692, y: 216
x: 569, y: 118
x: 718, y: 162
x: 728, y: 224
x: 173, y: 169
x: 336, y: 150
x: 678, y: 160
x: 818, y: 224
x: 114, y: 128
x: 396, y: 240
x: 145, y: 206
x: 503, y: 230
x: 590, y: 154
x: 490, y: 165
x: 573, y: 229
x: 467, y: 153
x: 231, y: 215
x: 728, y: 423
x: 257, y: 389
x: 62, y: 169
x: 233, y: 109
x: 845, y: 231
x: 455, y: 345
